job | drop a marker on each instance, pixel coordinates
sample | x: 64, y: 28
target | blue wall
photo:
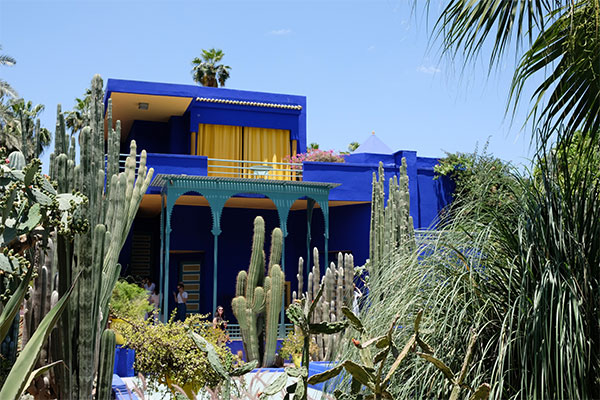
x: 191, y: 231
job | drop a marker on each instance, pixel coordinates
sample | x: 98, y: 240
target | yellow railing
x: 254, y: 169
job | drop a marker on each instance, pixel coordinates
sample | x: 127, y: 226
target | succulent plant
x: 253, y: 301
x: 392, y: 227
x: 301, y: 312
x: 338, y: 288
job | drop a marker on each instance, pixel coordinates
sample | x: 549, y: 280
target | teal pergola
x: 217, y: 191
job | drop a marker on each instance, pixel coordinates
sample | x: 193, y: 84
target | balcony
x: 180, y: 164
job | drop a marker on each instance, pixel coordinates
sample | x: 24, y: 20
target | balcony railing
x: 254, y: 169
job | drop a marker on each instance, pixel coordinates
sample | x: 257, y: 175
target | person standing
x: 181, y: 297
x: 155, y: 303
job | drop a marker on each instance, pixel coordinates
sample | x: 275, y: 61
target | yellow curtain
x: 193, y: 144
x: 267, y: 145
x: 220, y: 141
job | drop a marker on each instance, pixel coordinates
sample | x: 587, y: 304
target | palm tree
x: 22, y: 130
x: 77, y: 118
x: 5, y: 88
x: 558, y: 38
x: 206, y: 71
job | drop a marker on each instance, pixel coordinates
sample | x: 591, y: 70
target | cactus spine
x: 392, y: 227
x: 107, y: 361
x: 252, y: 299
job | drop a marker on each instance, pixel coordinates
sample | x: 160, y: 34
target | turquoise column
x: 283, y: 205
x: 162, y: 253
x: 171, y: 198
x: 325, y: 208
x: 310, y: 204
x: 216, y: 202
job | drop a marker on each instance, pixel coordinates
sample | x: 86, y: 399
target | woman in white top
x: 180, y: 298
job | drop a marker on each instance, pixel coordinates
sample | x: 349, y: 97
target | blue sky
x: 363, y: 65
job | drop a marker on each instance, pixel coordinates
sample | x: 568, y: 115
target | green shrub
x: 167, y: 352
x: 129, y: 302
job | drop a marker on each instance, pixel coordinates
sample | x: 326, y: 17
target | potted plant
x: 166, y: 354
x: 292, y: 348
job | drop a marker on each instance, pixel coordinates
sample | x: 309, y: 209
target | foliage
x: 21, y: 129
x: 206, y: 71
x: 480, y: 178
x: 314, y: 154
x: 300, y: 312
x: 371, y: 370
x: 573, y: 149
x: 293, y: 344
x: 129, y: 301
x: 5, y: 88
x: 168, y: 351
x: 77, y: 118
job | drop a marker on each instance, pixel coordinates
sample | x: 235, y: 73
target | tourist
x: 155, y: 303
x: 149, y: 286
x: 219, y: 319
x: 181, y: 297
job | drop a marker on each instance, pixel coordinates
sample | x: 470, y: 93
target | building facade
x: 221, y: 157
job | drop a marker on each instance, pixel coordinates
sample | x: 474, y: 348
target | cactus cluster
x: 88, y: 244
x: 338, y: 289
x: 392, y: 228
x: 302, y: 312
x: 258, y: 299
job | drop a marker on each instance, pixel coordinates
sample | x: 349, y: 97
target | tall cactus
x: 337, y: 286
x: 252, y: 299
x: 113, y: 199
x: 106, y: 367
x: 392, y: 227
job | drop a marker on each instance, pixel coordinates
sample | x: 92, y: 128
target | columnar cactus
x: 113, y: 200
x: 338, y: 287
x: 274, y: 284
x: 392, y: 226
x: 252, y: 299
x: 107, y: 361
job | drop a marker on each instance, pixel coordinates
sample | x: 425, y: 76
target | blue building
x: 220, y: 158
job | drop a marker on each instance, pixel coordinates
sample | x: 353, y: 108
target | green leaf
x: 296, y: 372
x: 40, y: 197
x: 327, y: 327
x: 354, y: 320
x: 326, y: 375
x: 13, y: 305
x: 355, y: 386
x: 407, y: 347
x: 245, y: 368
x: 360, y: 373
x: 315, y: 301
x: 299, y: 392
x: 375, y: 340
x: 31, y: 171
x: 276, y: 386
x: 439, y: 364
x: 379, y: 357
x: 424, y: 346
x: 21, y: 370
x: 9, y: 205
x: 418, y: 320
x: 383, y: 342
x: 32, y: 220
x: 42, y: 370
x: 211, y: 354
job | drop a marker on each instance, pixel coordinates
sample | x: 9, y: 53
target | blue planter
x: 124, y: 359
